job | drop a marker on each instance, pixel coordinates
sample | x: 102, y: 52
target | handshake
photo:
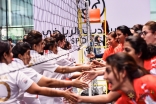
x: 82, y: 82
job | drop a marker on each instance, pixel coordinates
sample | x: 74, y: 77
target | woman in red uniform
x: 122, y: 32
x: 125, y: 75
x: 112, y: 41
x: 138, y: 49
x: 149, y: 35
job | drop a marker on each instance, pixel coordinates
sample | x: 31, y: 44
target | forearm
x: 59, y: 83
x: 51, y: 92
x: 106, y: 98
x: 100, y: 72
x: 35, y: 89
x: 74, y: 76
x: 94, y: 99
x: 67, y: 69
x: 100, y: 69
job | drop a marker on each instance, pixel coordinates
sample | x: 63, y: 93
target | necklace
x: 131, y: 95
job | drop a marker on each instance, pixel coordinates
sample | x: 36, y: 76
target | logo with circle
x: 6, y: 91
x: 95, y: 5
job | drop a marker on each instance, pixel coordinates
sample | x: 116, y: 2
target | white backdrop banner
x: 61, y: 15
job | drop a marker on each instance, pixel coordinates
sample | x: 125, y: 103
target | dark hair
x: 24, y: 39
x: 66, y: 46
x: 34, y: 37
x: 125, y: 30
x: 96, y: 38
x: 107, y: 26
x: 4, y: 48
x: 10, y: 39
x: 112, y: 34
x: 152, y: 50
x: 137, y: 27
x: 49, y: 42
x: 54, y: 33
x: 123, y: 61
x: 151, y: 25
x: 20, y: 48
x: 140, y: 46
x: 59, y: 37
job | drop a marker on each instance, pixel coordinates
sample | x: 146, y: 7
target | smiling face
x: 113, y: 77
x: 111, y: 41
x: 120, y: 36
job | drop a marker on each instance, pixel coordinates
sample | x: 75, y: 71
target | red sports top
x: 145, y: 88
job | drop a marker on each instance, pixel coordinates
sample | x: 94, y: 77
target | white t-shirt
x: 49, y: 65
x: 11, y: 83
x: 68, y: 56
x: 62, y: 61
x: 31, y: 73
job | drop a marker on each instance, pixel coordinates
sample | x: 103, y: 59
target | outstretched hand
x: 78, y: 97
x: 88, y: 76
x: 98, y: 64
x: 80, y: 83
x: 70, y: 97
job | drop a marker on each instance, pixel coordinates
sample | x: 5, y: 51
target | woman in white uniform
x: 51, y: 46
x: 34, y: 38
x: 21, y: 54
x: 12, y: 82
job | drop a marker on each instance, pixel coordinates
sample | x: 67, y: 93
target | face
x: 8, y: 57
x: 120, y: 36
x: 54, y: 49
x: 110, y: 77
x: 99, y: 38
x: 111, y: 41
x: 39, y: 47
x: 62, y: 43
x: 148, y: 36
x: 69, y: 46
x: 26, y: 57
x: 107, y: 43
x: 130, y: 50
x: 132, y: 31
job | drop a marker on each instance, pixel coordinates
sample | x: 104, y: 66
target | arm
x: 102, y: 64
x: 100, y: 69
x: 88, y: 76
x: 74, y: 76
x: 47, y: 82
x: 35, y: 89
x: 67, y: 69
x: 107, y: 98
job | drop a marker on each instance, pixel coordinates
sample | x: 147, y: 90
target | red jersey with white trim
x: 151, y: 65
x: 145, y: 89
x: 112, y: 50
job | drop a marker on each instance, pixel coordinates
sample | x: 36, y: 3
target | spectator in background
x: 107, y: 30
x: 97, y: 43
x: 10, y: 42
x: 24, y: 38
x: 95, y: 54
